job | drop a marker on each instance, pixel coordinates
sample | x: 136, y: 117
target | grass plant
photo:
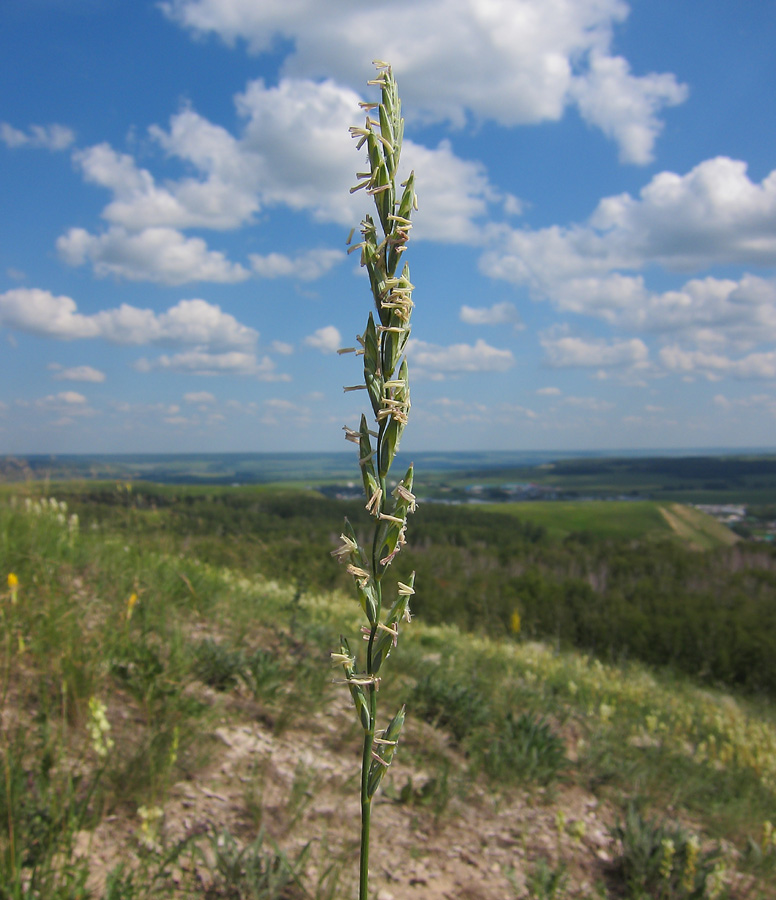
x: 386, y: 380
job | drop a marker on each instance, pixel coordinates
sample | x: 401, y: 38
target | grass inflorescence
x: 386, y: 381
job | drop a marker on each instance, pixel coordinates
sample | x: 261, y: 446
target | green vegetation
x: 731, y: 478
x: 707, y: 613
x: 615, y: 519
x: 688, y: 479
x: 149, y: 696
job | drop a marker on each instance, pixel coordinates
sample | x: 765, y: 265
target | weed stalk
x: 386, y: 380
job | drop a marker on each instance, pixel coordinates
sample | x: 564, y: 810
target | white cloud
x: 498, y: 314
x: 326, y: 339
x: 266, y: 164
x: 591, y: 404
x: 714, y: 214
x: 711, y: 311
x: 225, y: 197
x: 315, y: 174
x: 454, y: 193
x: 715, y: 365
x: 549, y: 392
x: 69, y: 405
x: 49, y: 137
x: 625, y: 107
x: 201, y: 362
x: 435, y: 361
x: 163, y: 255
x: 757, y: 402
x: 80, y: 373
x: 297, y: 134
x: 511, y: 61
x: 564, y: 352
x: 71, y: 397
x: 188, y: 322
x: 306, y: 266
x: 281, y: 347
x: 203, y: 397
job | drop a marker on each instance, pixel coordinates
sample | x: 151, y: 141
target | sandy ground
x: 301, y: 786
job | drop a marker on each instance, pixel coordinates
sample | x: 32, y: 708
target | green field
x: 627, y: 520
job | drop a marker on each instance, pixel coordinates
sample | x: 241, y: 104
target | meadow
x: 170, y: 726
x: 624, y: 519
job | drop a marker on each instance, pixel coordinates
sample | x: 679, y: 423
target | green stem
x: 366, y: 802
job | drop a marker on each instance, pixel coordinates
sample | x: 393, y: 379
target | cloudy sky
x: 593, y: 256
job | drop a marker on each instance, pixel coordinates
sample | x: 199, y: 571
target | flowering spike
x: 386, y: 380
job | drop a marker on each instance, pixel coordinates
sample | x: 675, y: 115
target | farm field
x: 635, y: 520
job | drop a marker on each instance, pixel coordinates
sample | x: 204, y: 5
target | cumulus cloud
x: 202, y: 362
x: 624, y: 107
x: 455, y: 193
x: 713, y: 215
x: 36, y: 311
x: 591, y: 404
x: 68, y: 405
x: 291, y: 149
x: 69, y: 397
x: 326, y: 339
x: 282, y: 347
x: 78, y: 373
x: 758, y: 403
x: 315, y: 174
x: 498, y: 314
x: 163, y: 255
x: 223, y: 197
x: 49, y: 137
x: 714, y: 365
x: 516, y: 61
x: 202, y: 397
x: 306, y: 266
x: 566, y: 352
x: 435, y: 361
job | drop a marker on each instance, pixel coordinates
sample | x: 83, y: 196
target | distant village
x: 737, y: 518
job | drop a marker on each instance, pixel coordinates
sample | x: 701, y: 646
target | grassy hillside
x: 170, y: 728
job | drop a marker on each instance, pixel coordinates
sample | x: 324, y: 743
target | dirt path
x: 699, y: 530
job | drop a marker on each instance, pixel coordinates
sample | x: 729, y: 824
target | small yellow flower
x: 13, y: 580
x: 131, y: 603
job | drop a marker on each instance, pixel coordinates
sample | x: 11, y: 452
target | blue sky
x: 593, y: 255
